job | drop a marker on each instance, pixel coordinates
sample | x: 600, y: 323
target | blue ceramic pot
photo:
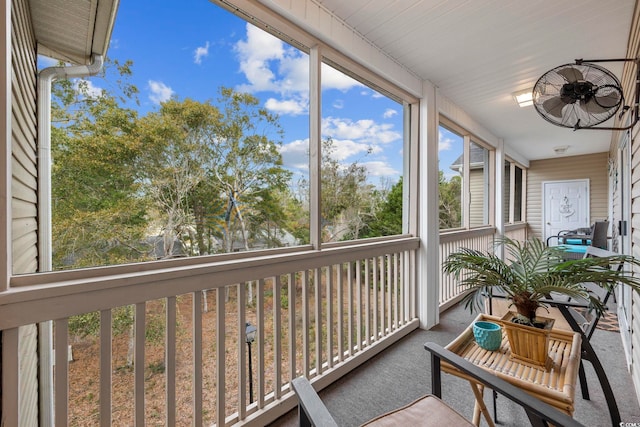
x: 488, y: 335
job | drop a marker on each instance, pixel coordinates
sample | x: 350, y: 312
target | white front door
x: 565, y: 206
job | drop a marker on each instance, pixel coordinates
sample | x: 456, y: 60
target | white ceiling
x: 478, y: 53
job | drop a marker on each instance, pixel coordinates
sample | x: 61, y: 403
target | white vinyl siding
x: 477, y: 196
x: 24, y: 191
x: 628, y: 86
x: 592, y: 167
x: 23, y: 128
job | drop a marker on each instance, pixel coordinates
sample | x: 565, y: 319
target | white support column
x: 499, y: 193
x: 315, y: 146
x: 466, y: 182
x: 411, y: 146
x: 428, y: 267
x: 512, y: 193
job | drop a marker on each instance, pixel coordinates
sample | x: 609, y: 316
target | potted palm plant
x: 535, y: 271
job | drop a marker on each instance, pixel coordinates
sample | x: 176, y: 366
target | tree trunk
x: 132, y: 344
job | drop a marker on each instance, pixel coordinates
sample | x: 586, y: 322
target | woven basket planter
x: 528, y: 344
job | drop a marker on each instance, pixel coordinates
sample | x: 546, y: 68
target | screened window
x: 479, y: 181
x: 451, y: 177
x: 513, y: 192
x: 465, y: 183
x: 208, y: 153
x: 204, y: 153
x: 361, y: 162
x: 518, y: 195
x: 506, y: 195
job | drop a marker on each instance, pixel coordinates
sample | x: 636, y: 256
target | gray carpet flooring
x: 401, y: 374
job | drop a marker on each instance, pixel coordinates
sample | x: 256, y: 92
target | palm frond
x: 536, y: 271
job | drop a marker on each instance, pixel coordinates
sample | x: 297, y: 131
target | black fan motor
x: 577, y: 91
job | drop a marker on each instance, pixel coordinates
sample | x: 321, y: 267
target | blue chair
x: 575, y: 242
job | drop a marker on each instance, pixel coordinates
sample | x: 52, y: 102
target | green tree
x: 345, y: 196
x: 98, y: 217
x: 177, y: 141
x: 246, y: 164
x: 387, y: 220
x: 450, y: 205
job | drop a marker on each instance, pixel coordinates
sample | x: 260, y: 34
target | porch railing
x: 516, y: 231
x: 451, y: 241
x: 166, y: 342
x: 478, y: 239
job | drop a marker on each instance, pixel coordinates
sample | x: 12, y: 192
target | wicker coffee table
x: 554, y: 384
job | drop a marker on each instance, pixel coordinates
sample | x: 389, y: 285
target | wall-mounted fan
x: 581, y: 95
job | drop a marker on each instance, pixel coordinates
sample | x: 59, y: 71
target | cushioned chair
x: 564, y: 237
x: 430, y: 410
x: 576, y: 247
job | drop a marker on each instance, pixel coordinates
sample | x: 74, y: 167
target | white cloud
x: 379, y: 168
x: 293, y: 107
x: 296, y: 154
x: 269, y: 64
x: 201, y: 52
x: 389, y: 112
x: 159, y: 92
x: 88, y: 88
x: 293, y: 70
x: 444, y: 144
x: 374, y: 133
x: 255, y: 54
x: 346, y: 148
x: 334, y: 79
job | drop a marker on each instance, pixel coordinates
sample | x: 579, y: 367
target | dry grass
x: 84, y: 370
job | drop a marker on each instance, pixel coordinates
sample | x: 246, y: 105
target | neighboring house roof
x: 156, y: 244
x: 476, y: 158
x: 73, y: 30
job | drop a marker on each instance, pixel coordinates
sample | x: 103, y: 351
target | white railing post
x: 61, y: 381
x: 170, y: 361
x: 197, y: 358
x: 105, y: 367
x: 138, y: 365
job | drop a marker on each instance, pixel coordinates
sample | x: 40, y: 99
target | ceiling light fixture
x: 524, y: 98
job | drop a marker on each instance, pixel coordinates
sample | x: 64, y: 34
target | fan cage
x: 548, y: 96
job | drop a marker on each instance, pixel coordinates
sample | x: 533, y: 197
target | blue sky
x: 189, y: 49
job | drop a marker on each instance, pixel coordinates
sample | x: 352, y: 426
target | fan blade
x: 554, y: 106
x: 592, y: 107
x: 571, y: 74
x: 609, y: 100
x: 601, y: 104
